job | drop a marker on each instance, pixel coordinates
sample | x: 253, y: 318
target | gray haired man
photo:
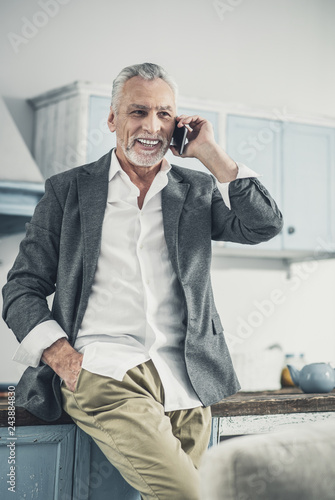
x: 133, y: 348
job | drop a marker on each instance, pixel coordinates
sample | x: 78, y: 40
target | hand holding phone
x: 179, y: 138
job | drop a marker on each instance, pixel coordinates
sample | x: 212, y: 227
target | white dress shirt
x: 136, y: 307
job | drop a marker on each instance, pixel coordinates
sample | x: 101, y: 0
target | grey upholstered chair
x: 296, y: 463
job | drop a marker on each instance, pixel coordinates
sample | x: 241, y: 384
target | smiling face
x: 144, y: 122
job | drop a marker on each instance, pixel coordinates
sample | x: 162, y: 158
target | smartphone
x: 179, y: 138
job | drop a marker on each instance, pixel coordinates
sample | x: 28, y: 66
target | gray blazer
x: 61, y: 248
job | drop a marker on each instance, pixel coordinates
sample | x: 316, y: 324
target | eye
x: 164, y: 114
x: 138, y: 112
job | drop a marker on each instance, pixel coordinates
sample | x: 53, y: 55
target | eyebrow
x: 159, y: 108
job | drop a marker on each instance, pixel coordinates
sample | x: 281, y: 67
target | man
x: 134, y: 335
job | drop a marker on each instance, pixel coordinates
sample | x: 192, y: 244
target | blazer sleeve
x: 254, y: 216
x: 33, y: 276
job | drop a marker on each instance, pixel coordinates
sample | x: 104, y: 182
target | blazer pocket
x: 217, y: 326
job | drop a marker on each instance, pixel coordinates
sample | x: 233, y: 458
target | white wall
x: 269, y: 54
x: 9, y: 370
x: 263, y: 306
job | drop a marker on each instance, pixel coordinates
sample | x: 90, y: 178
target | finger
x: 190, y: 121
x: 180, y: 120
x: 174, y: 151
x: 70, y: 386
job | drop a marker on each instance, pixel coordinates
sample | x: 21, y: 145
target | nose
x: 151, y: 124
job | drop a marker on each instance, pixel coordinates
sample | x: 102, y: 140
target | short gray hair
x: 147, y: 71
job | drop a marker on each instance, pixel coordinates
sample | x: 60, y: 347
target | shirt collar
x: 115, y: 166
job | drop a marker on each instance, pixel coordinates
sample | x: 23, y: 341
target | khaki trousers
x: 157, y: 452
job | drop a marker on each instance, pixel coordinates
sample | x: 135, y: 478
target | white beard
x: 145, y: 158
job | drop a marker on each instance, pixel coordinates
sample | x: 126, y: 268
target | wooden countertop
x: 288, y: 400
x: 291, y: 400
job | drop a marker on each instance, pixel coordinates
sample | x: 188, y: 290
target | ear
x: 111, y: 120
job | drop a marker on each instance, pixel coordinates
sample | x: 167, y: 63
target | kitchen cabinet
x: 59, y: 461
x: 308, y: 156
x: 256, y: 142
x: 296, y: 162
x: 71, y: 126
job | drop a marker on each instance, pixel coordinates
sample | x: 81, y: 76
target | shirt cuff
x: 243, y: 173
x: 41, y: 337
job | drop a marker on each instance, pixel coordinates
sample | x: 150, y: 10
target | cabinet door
x: 256, y: 143
x: 43, y: 459
x: 308, y: 194
x: 100, y: 139
x: 95, y: 478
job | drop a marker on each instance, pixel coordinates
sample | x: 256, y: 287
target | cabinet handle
x: 291, y: 230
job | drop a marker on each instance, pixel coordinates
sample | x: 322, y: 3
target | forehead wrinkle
x: 138, y: 106
x: 142, y: 106
x: 162, y: 108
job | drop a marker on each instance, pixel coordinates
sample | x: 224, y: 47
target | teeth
x: 148, y: 142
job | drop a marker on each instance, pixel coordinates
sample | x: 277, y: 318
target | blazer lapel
x: 92, y: 195
x: 173, y: 198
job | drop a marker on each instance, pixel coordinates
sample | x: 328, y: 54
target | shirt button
x: 141, y: 246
